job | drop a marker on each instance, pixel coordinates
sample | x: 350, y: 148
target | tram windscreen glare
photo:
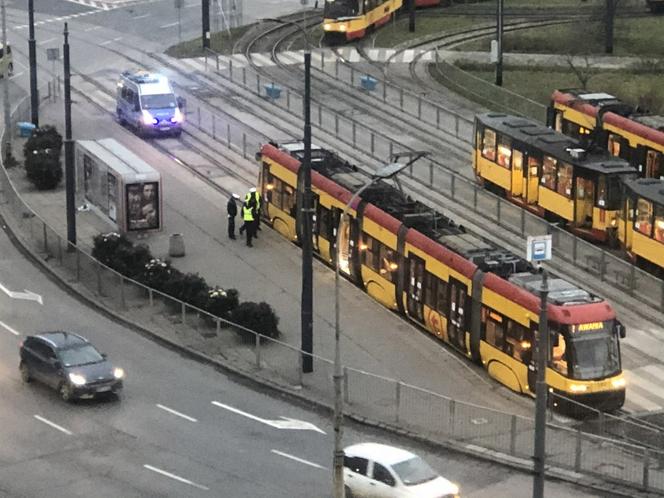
x: 594, y: 354
x: 340, y: 8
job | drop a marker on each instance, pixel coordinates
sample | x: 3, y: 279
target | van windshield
x: 161, y: 101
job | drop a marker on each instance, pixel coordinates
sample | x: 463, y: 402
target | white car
x: 374, y: 470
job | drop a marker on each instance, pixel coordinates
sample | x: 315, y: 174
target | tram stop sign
x: 539, y: 248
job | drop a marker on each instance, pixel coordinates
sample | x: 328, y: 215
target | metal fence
x: 389, y: 401
x: 616, y: 272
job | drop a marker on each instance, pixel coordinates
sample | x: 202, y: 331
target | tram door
x: 517, y: 173
x: 532, y: 180
x: 456, y: 316
x: 415, y: 291
x: 584, y: 201
x: 626, y: 224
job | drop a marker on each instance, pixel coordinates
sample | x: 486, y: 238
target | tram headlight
x: 342, y: 28
x: 618, y: 383
x: 614, y: 222
x: 327, y: 26
x: 578, y: 388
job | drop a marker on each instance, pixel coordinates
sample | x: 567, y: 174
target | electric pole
x: 499, y: 43
x: 541, y: 391
x: 69, y: 152
x: 5, y: 88
x: 205, y: 5
x: 34, y: 96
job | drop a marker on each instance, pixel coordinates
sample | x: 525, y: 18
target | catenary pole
x: 499, y: 40
x: 69, y: 151
x: 541, y: 391
x: 5, y: 87
x: 34, y: 96
x: 205, y: 22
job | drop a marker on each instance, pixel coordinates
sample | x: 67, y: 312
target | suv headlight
x: 118, y: 373
x: 177, y: 116
x: 77, y: 379
x: 148, y: 118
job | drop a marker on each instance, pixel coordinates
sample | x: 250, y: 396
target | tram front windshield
x: 594, y: 354
x: 340, y: 8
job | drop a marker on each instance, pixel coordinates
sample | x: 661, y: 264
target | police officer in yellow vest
x: 249, y: 216
x: 253, y: 199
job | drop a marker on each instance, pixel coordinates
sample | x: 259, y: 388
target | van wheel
x: 121, y: 118
x: 10, y: 69
x: 25, y: 372
x: 65, y: 391
x: 347, y: 492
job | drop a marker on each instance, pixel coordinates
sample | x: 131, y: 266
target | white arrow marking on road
x: 22, y: 295
x: 175, y: 477
x: 286, y: 423
x: 9, y: 328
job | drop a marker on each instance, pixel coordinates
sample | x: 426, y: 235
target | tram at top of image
x: 602, y: 119
x: 593, y: 193
x: 345, y: 20
x: 476, y: 297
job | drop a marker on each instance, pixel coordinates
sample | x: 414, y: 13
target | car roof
x: 62, y: 339
x: 382, y: 453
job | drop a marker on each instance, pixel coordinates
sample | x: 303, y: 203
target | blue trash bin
x: 25, y: 129
x: 368, y: 83
x: 273, y: 91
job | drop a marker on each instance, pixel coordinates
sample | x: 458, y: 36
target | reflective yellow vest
x: 247, y: 213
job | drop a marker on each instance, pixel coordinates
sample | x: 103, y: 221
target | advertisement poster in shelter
x: 142, y: 206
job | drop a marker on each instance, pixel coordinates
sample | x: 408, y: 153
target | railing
x: 389, y: 401
x: 619, y: 273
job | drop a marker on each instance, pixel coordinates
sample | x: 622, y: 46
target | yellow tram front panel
x: 647, y: 248
x: 356, y: 26
x: 604, y: 220
x: 493, y: 173
x: 572, y: 387
x: 578, y: 117
x: 556, y: 203
x: 379, y: 278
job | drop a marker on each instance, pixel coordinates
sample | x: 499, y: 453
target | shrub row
x: 42, y: 158
x: 136, y: 262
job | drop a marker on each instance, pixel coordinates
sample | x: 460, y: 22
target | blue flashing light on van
x: 146, y: 101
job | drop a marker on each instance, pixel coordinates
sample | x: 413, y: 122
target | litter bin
x: 368, y: 83
x: 25, y: 129
x: 273, y: 91
x: 176, y: 245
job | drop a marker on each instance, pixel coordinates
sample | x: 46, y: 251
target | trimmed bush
x: 117, y: 252
x: 222, y: 302
x: 259, y: 317
x: 157, y: 274
x: 188, y: 287
x: 42, y: 158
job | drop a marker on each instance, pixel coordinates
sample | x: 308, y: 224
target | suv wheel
x: 25, y: 372
x: 66, y: 391
x: 347, y: 492
x: 10, y: 69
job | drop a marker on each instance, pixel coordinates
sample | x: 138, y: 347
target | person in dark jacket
x: 231, y: 211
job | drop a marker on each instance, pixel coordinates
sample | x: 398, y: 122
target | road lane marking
x: 170, y: 25
x: 142, y: 17
x: 286, y: 423
x: 301, y: 460
x: 92, y: 28
x: 173, y: 476
x: 52, y: 424
x: 170, y: 410
x: 9, y: 328
x: 106, y: 42
x: 118, y: 38
x: 47, y: 41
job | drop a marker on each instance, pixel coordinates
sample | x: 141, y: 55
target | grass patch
x: 644, y: 89
x: 642, y: 37
x: 221, y: 42
x: 397, y: 32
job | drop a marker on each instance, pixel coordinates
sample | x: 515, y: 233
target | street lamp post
x: 34, y: 97
x: 387, y: 171
x: 69, y: 151
x: 306, y: 309
x: 5, y: 88
x: 541, y: 391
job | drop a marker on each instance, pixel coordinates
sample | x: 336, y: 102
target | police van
x: 6, y: 61
x: 146, y: 101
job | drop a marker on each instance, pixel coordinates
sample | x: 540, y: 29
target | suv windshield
x: 595, y: 355
x: 80, y: 356
x: 414, y: 471
x: 161, y: 101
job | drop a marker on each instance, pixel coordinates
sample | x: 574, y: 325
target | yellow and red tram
x: 601, y: 119
x: 476, y: 297
x: 345, y: 20
x: 550, y: 174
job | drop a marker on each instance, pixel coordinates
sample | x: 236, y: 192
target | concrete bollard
x: 176, y: 245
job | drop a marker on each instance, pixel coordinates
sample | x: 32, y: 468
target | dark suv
x: 70, y: 364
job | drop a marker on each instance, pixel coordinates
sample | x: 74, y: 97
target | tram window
x: 517, y: 341
x: 643, y: 222
x: 565, y: 179
x: 274, y: 194
x: 494, y: 333
x: 654, y: 167
x: 489, y: 144
x: 441, y: 299
x: 430, y: 285
x: 558, y: 356
x: 504, y: 152
x: 614, y: 144
x: 288, y: 200
x: 659, y: 223
x: 369, y: 252
x: 388, y: 264
x: 549, y: 172
x: 324, y: 223
x: 534, y: 163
